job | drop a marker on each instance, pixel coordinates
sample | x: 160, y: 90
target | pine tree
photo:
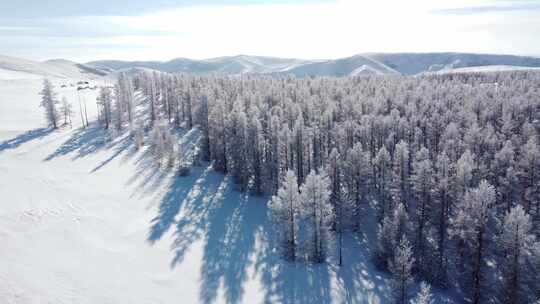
x: 470, y: 227
x: 530, y: 176
x: 424, y: 296
x: 383, y: 180
x: 67, y: 110
x: 401, y: 269
x: 422, y: 180
x: 464, y: 173
x: 400, y: 173
x: 357, y: 181
x: 336, y: 198
x: 236, y: 145
x: 284, y: 210
x: 505, y: 177
x: 105, y: 101
x: 49, y: 103
x: 392, y: 230
x: 516, y: 241
x: 443, y: 196
x: 315, y: 198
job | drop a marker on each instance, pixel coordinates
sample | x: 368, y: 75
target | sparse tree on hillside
x: 49, y: 103
x: 105, y: 101
x: 67, y: 110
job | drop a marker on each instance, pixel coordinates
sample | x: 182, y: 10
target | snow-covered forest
x: 447, y: 165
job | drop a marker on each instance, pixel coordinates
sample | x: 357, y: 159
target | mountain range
x: 361, y: 64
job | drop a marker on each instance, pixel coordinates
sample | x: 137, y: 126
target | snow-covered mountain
x: 362, y: 64
x: 229, y: 64
x: 11, y: 67
x: 415, y: 63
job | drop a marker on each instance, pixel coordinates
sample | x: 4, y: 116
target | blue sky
x: 166, y: 29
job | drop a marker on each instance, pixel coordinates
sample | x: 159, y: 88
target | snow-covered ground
x: 87, y: 218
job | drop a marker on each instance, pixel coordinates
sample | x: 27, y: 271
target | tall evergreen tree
x: 49, y: 103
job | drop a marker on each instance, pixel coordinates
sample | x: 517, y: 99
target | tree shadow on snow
x: 83, y: 141
x: 24, y: 138
x: 205, y: 206
x: 230, y: 238
x: 356, y: 281
x: 287, y: 282
x: 181, y: 190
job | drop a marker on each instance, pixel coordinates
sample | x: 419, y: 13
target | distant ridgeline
x: 363, y: 64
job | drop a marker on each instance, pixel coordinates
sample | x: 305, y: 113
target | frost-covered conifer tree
x: 49, y: 103
x: 470, y: 227
x: 422, y: 180
x: 516, y: 241
x: 530, y: 176
x: 357, y: 181
x: 336, y: 198
x: 392, y: 230
x: 383, y: 180
x: 401, y: 269
x: 443, y: 196
x: 284, y: 211
x: 400, y: 172
x: 424, y: 296
x: 316, y: 207
x: 67, y: 110
x: 105, y: 101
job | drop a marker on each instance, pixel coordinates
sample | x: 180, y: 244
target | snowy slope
x: 229, y: 64
x: 362, y: 64
x: 414, y: 63
x: 486, y: 69
x: 342, y: 67
x: 11, y: 67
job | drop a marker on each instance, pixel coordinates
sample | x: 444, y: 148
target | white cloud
x: 317, y: 30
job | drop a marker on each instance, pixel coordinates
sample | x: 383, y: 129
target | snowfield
x: 87, y: 218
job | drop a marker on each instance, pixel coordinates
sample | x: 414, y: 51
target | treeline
x: 448, y: 164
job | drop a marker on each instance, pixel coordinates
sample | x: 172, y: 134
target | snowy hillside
x: 362, y: 64
x: 11, y: 67
x: 486, y: 69
x: 414, y: 63
x: 230, y: 65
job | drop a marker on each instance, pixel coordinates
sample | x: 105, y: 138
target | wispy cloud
x: 489, y: 9
x: 73, y: 8
x: 288, y: 28
x: 81, y: 27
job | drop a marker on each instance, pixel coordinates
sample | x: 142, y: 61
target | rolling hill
x: 362, y: 64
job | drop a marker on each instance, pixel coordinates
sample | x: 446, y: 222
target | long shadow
x: 119, y: 147
x: 357, y: 281
x: 205, y: 206
x: 181, y: 190
x: 199, y: 205
x: 84, y: 141
x: 358, y: 278
x: 233, y: 223
x: 24, y: 138
x: 286, y: 282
